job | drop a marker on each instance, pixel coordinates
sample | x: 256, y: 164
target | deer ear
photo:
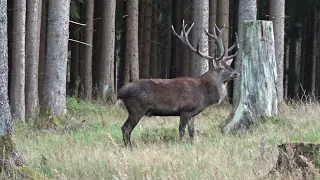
x: 228, y: 62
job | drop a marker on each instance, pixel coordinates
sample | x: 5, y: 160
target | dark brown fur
x: 184, y: 96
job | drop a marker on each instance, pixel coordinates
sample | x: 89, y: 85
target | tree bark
x: 142, y: 9
x: 154, y: 38
x: 42, y: 53
x: 176, y: 44
x: 74, y: 60
x: 258, y: 96
x: 317, y: 51
x: 277, y: 15
x: 17, y: 87
x: 223, y: 18
x: 186, y: 53
x: 212, y: 20
x: 247, y: 11
x: 87, y: 63
x: 200, y: 16
x: 32, y: 57
x: 132, y: 44
x: 56, y: 56
x: 96, y: 56
x: 145, y: 64
x: 106, y: 80
x: 167, y: 63
x: 6, y: 127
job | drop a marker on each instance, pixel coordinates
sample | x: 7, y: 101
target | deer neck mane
x: 214, y: 86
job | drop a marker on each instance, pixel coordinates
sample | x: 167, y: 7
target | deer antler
x: 218, y: 37
x: 184, y: 39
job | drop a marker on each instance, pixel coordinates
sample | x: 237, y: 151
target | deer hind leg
x: 191, y: 128
x: 182, y: 126
x: 128, y: 127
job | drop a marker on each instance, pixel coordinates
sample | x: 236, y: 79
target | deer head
x: 220, y: 64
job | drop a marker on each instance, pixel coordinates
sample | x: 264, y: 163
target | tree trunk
x: 200, y: 16
x: 87, y: 61
x: 42, y: 53
x: 74, y: 60
x: 186, y: 53
x: 223, y: 18
x: 277, y: 15
x: 176, y: 44
x: 132, y: 44
x: 32, y: 57
x: 6, y: 127
x: 142, y: 9
x: 247, y: 11
x: 292, y: 75
x: 96, y: 56
x: 314, y: 52
x: 258, y: 96
x: 153, y: 44
x: 17, y: 87
x: 106, y: 80
x: 306, y: 61
x: 168, y: 42
x: 145, y: 64
x: 57, y: 56
x: 317, y: 51
x: 120, y: 41
x: 212, y: 20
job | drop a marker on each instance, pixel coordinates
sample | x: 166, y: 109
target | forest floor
x: 94, y: 149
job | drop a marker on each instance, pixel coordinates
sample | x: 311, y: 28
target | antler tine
x: 236, y: 44
x: 186, y: 40
x: 221, y: 46
x: 218, y: 38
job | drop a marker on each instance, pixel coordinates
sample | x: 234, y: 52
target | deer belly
x: 162, y: 112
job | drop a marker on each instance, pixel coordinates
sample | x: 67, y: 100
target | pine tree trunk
x: 74, y: 60
x: 167, y: 63
x: 176, y: 44
x: 145, y: 64
x: 6, y: 127
x: 317, y: 50
x: 42, y: 53
x: 153, y: 44
x: 32, y: 57
x: 258, y: 96
x: 87, y: 63
x: 212, y: 20
x: 96, y: 56
x: 277, y: 15
x: 223, y: 18
x: 17, y: 87
x: 200, y: 16
x: 247, y: 11
x: 186, y: 53
x: 106, y: 79
x: 292, y: 75
x: 132, y: 44
x: 142, y: 8
x: 56, y: 56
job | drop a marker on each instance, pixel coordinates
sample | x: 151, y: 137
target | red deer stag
x: 184, y: 96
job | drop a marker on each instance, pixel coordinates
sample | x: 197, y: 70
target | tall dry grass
x: 94, y: 150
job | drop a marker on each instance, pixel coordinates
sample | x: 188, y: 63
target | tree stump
x: 297, y: 161
x: 258, y: 95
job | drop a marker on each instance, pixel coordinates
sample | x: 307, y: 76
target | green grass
x: 94, y: 149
